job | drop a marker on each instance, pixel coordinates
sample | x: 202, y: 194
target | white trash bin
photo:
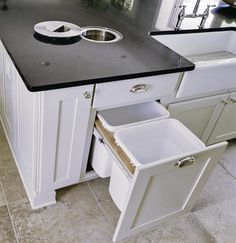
x: 147, y: 143
x: 119, y: 118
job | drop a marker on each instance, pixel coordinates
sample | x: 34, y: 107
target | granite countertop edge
x: 37, y: 88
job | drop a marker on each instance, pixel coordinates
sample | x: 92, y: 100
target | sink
x: 214, y: 54
x: 100, y: 34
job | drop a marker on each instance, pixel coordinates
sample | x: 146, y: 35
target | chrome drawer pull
x: 185, y: 162
x: 139, y: 88
x: 87, y: 95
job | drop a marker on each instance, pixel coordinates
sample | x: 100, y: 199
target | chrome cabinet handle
x: 185, y: 162
x: 139, y: 88
x: 87, y: 95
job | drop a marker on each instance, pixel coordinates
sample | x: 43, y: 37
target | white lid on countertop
x: 57, y: 29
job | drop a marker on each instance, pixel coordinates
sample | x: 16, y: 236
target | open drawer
x: 158, y: 168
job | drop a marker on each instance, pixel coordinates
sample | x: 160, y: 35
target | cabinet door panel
x: 161, y: 191
x: 226, y: 125
x: 1, y: 75
x: 9, y: 95
x: 25, y: 137
x: 65, y: 121
x: 199, y: 115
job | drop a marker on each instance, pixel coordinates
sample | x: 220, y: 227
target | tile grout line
x: 20, y: 200
x: 203, y: 227
x: 99, y: 204
x: 12, y: 223
x: 227, y: 171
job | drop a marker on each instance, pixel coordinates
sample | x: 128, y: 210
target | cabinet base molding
x: 90, y: 175
x: 37, y: 200
x: 42, y: 199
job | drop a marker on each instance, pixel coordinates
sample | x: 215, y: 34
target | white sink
x: 214, y: 54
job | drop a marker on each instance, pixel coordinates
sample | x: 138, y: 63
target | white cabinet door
x: 199, y: 115
x: 65, y: 116
x: 160, y: 191
x: 226, y: 125
x: 9, y: 89
x: 26, y: 130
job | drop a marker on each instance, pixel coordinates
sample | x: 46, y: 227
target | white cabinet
x: 52, y: 139
x: 212, y: 119
x: 199, y: 115
x: 49, y: 133
x: 225, y: 127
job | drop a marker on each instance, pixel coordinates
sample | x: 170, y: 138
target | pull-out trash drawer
x: 157, y: 170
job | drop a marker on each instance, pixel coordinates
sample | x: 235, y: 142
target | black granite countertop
x: 83, y: 62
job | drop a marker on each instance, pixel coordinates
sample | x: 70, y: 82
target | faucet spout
x: 196, y: 7
x: 194, y: 14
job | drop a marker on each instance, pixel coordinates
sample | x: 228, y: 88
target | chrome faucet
x: 194, y: 14
x: 196, y: 7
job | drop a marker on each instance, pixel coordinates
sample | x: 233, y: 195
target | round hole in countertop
x: 100, y: 34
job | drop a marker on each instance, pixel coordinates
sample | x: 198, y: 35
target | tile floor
x: 85, y: 213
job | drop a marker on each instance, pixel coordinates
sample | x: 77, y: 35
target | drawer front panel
x: 134, y: 90
x: 161, y: 191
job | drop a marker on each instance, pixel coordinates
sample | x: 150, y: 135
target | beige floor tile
x: 2, y: 135
x: 2, y: 198
x: 228, y: 160
x: 8, y: 168
x: 181, y: 230
x: 14, y: 189
x: 28, y: 240
x: 100, y: 188
x: 220, y: 186
x: 6, y: 230
x: 220, y: 220
x: 75, y: 218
